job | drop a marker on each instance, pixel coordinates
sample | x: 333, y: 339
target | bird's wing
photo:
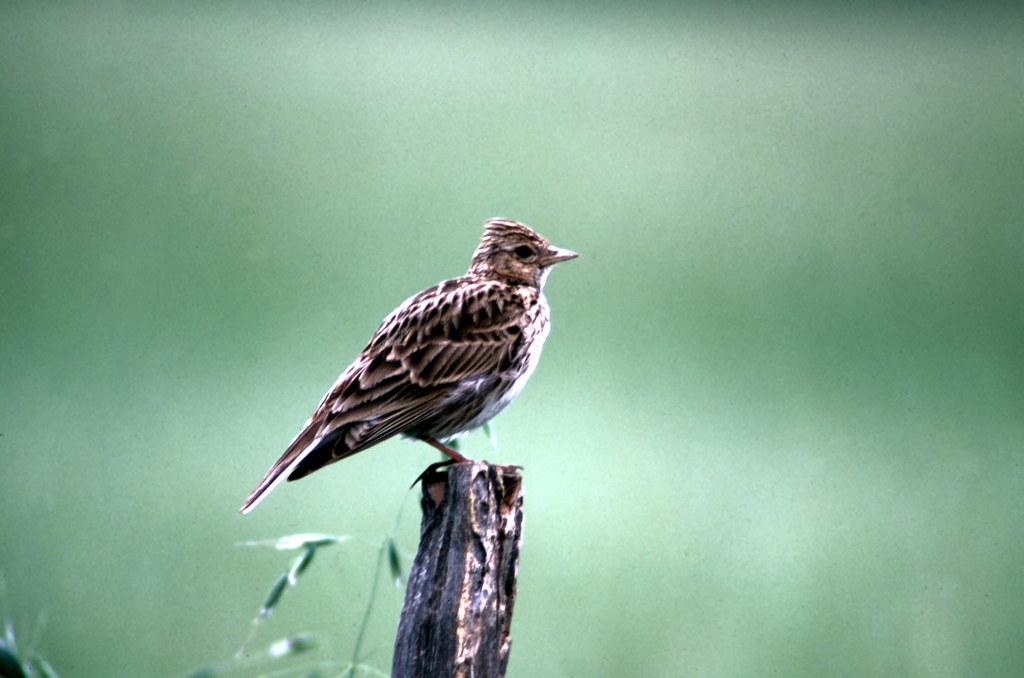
x: 457, y: 330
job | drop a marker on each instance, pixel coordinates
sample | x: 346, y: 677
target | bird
x: 442, y: 364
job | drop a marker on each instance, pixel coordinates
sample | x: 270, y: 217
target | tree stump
x: 462, y: 585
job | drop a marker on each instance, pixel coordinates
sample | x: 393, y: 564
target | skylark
x: 442, y: 364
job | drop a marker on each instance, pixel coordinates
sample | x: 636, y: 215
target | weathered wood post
x: 462, y: 585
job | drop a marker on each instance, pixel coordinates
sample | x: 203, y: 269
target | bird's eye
x: 524, y: 251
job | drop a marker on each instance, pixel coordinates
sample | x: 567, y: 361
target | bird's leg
x: 453, y: 458
x: 456, y: 458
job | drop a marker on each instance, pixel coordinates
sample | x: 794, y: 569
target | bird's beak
x: 556, y: 254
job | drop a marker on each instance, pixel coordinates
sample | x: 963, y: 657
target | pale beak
x: 556, y: 254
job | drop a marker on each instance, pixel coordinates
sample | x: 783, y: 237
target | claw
x: 433, y: 468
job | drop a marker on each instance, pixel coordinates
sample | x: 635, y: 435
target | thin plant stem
x: 357, y: 652
x: 358, y: 649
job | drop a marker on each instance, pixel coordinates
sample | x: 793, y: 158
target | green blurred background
x: 778, y: 426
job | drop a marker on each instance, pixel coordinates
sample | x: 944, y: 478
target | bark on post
x: 462, y: 585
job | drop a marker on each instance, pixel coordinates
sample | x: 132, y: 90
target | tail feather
x: 301, y: 447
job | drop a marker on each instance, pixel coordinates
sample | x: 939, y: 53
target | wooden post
x: 462, y: 585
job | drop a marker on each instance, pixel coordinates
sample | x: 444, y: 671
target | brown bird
x: 442, y: 364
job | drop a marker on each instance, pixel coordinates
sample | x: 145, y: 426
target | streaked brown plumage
x: 442, y: 364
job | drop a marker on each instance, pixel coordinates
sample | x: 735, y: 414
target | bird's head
x: 516, y: 253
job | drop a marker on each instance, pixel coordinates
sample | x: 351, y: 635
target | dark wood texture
x: 462, y: 585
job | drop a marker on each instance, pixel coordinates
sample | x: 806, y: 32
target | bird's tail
x: 301, y: 447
